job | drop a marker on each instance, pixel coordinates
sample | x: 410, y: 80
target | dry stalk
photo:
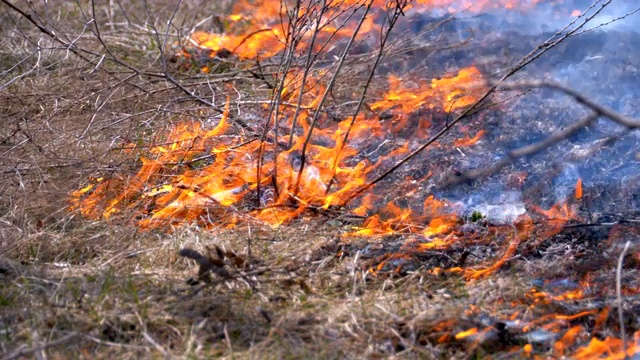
x: 98, y: 58
x: 69, y: 45
x: 328, y: 89
x: 21, y: 352
x: 169, y: 77
x: 623, y: 335
x: 293, y: 36
x: 307, y: 68
x: 296, y: 31
x: 312, y: 58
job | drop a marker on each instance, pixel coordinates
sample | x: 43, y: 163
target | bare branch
x: 553, y: 139
x: 307, y: 69
x: 579, y: 97
x: 327, y: 90
x: 385, y: 36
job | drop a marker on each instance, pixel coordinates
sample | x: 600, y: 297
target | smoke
x: 551, y: 16
x: 600, y: 62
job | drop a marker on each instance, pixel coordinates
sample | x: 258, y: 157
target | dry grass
x: 124, y: 294
x: 73, y: 288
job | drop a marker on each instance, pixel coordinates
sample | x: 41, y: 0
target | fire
x: 524, y: 226
x: 469, y: 141
x: 578, y: 189
x: 255, y: 31
x: 609, y: 348
x: 202, y: 175
x: 448, y: 93
x: 557, y: 216
x: 262, y: 35
x: 466, y: 333
x: 261, y: 43
x: 567, y: 340
x: 436, y: 214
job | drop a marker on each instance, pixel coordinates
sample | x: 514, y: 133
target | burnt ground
x: 73, y: 287
x: 598, y: 63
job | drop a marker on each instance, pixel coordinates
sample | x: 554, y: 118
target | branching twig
x: 327, y: 90
x: 556, y: 137
x: 292, y: 39
x: 397, y: 12
x: 80, y: 52
x: 70, y: 46
x: 307, y: 69
x: 553, y: 139
x: 579, y: 97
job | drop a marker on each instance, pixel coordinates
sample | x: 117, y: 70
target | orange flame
x: 567, y: 340
x: 254, y: 28
x: 610, y: 348
x: 201, y: 175
x: 579, y: 189
x: 448, y: 93
x: 466, y: 333
x: 208, y: 176
x: 469, y: 141
x: 556, y: 217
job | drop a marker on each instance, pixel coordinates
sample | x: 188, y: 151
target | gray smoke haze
x: 602, y: 63
x: 550, y: 16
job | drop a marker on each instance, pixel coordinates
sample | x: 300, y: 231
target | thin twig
x: 398, y: 11
x: 556, y: 137
x: 24, y: 352
x: 71, y: 47
x: 285, y: 64
x: 166, y: 75
x: 307, y: 69
x: 623, y: 335
x: 579, y: 97
x: 532, y: 149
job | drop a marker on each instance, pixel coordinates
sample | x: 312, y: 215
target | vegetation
x: 91, y: 91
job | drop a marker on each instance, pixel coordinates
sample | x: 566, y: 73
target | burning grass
x: 205, y: 174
